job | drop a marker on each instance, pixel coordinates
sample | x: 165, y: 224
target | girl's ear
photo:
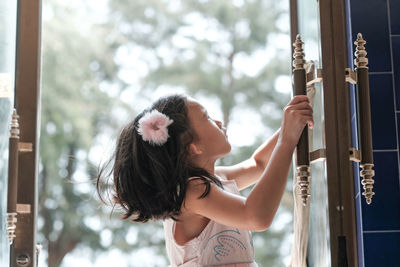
x: 194, y: 150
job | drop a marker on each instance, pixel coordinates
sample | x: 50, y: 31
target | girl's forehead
x: 194, y: 105
x: 195, y: 111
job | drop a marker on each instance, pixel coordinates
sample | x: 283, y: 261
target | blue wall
x: 379, y: 222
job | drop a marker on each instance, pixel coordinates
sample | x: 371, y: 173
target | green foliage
x: 205, y: 61
x: 75, y: 109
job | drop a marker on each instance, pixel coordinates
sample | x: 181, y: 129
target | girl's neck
x: 206, y: 164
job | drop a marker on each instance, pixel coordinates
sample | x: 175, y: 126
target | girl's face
x: 210, y: 141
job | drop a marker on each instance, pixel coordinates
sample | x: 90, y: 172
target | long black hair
x: 150, y: 181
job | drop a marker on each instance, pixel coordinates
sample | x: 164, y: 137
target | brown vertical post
x: 300, y: 88
x: 342, y: 219
x: 27, y: 80
x: 302, y: 153
x: 367, y: 159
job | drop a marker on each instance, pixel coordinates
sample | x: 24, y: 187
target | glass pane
x: 7, y: 64
x: 319, y: 242
x: 227, y: 54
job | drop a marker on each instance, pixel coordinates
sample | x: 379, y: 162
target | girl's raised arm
x: 254, y: 213
x: 257, y: 211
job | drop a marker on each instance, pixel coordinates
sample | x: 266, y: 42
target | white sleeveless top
x: 217, y: 244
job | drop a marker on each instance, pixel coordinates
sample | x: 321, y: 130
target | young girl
x: 164, y: 168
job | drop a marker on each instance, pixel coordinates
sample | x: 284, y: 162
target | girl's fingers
x: 298, y: 98
x: 306, y: 113
x: 310, y: 121
x: 301, y: 106
x: 307, y: 118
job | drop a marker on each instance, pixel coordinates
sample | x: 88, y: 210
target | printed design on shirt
x: 227, y: 243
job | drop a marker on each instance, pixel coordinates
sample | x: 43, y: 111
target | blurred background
x: 106, y: 60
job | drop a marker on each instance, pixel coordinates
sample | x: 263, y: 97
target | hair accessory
x: 153, y: 127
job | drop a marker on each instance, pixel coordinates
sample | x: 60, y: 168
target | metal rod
x: 302, y: 152
x: 367, y: 160
x: 300, y: 88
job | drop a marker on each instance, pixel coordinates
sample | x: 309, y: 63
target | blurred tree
x: 200, y: 46
x: 75, y: 107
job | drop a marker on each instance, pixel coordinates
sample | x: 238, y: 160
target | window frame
x: 27, y: 103
x: 340, y: 176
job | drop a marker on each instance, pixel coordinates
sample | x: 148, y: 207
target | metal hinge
x: 312, y: 78
x: 351, y: 76
x: 25, y: 147
x: 320, y: 155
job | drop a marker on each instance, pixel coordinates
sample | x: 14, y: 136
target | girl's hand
x: 297, y: 113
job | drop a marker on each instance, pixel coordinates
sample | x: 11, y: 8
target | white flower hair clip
x: 153, y: 127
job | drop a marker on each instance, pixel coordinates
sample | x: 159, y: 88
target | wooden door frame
x: 342, y: 211
x: 27, y: 101
x: 341, y: 197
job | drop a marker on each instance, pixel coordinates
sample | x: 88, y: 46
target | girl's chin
x: 225, y: 153
x: 228, y: 149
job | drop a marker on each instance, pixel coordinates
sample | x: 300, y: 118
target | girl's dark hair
x: 149, y: 181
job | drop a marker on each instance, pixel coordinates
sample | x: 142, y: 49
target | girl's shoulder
x: 197, y: 187
x: 220, y: 177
